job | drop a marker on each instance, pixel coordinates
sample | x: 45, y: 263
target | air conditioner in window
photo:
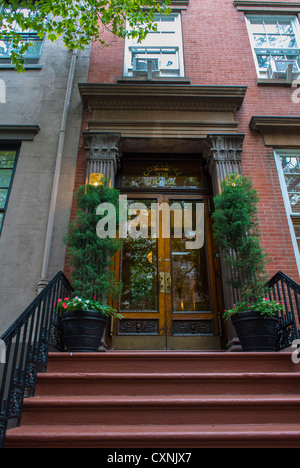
x: 145, y: 66
x: 283, y: 69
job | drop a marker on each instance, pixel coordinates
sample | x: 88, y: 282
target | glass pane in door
x: 139, y: 266
x: 190, y: 283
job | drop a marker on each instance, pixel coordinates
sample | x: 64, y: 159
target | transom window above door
x: 160, y: 54
x: 163, y: 173
x: 276, y: 45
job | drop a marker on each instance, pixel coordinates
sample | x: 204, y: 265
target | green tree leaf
x: 77, y: 22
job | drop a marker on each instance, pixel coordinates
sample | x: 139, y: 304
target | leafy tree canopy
x: 77, y: 22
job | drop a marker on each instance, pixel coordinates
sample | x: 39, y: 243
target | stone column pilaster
x: 225, y: 157
x: 102, y: 154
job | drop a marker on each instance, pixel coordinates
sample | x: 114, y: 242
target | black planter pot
x: 83, y: 330
x: 255, y: 332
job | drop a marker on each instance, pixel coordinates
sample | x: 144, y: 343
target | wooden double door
x: 169, y: 273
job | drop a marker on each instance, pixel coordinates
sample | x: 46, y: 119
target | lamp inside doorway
x: 96, y: 179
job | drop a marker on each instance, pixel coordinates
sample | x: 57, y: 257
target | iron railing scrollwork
x: 27, y: 343
x: 286, y: 291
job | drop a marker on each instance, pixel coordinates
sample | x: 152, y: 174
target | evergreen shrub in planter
x: 86, y: 313
x: 237, y: 233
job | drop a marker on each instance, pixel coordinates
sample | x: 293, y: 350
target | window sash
x: 158, y: 45
x: 33, y: 53
x: 267, y: 51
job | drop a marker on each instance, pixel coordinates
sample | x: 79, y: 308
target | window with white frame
x: 160, y: 54
x: 288, y: 167
x: 275, y: 43
x: 33, y: 53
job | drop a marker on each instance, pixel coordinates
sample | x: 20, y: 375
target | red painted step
x: 80, y: 384
x: 163, y: 399
x: 180, y: 436
x: 161, y: 410
x: 171, y: 362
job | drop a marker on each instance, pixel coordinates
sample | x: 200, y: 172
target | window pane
x: 297, y: 232
x: 169, y: 61
x: 34, y: 51
x: 165, y: 18
x: 261, y: 40
x: 263, y: 60
x: 7, y: 164
x: 258, y: 27
x: 290, y: 165
x: 275, y: 41
x: 295, y: 202
x: 139, y: 268
x: 291, y: 171
x: 5, y: 177
x: 7, y: 159
x: 293, y: 183
x: 189, y: 267
x: 272, y: 27
x: 285, y: 28
x: 288, y: 42
x: 3, y: 195
x: 167, y: 174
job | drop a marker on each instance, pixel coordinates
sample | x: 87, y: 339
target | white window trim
x: 179, y: 44
x: 248, y: 18
x: 287, y: 204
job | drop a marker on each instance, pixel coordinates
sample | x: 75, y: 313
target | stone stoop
x: 144, y: 399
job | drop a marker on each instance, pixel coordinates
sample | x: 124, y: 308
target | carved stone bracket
x: 102, y: 154
x: 225, y: 156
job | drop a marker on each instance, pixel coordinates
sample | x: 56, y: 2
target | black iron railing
x: 25, y: 348
x: 286, y: 291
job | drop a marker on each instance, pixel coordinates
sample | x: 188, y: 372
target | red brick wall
x: 217, y: 51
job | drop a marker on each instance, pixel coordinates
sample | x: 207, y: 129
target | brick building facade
x: 213, y: 91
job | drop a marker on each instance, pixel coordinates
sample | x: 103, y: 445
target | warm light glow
x: 96, y: 179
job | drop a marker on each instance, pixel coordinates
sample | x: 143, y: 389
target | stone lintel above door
x: 162, y: 111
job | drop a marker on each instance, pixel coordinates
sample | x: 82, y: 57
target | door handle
x: 168, y: 283
x: 165, y: 282
x: 162, y: 282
